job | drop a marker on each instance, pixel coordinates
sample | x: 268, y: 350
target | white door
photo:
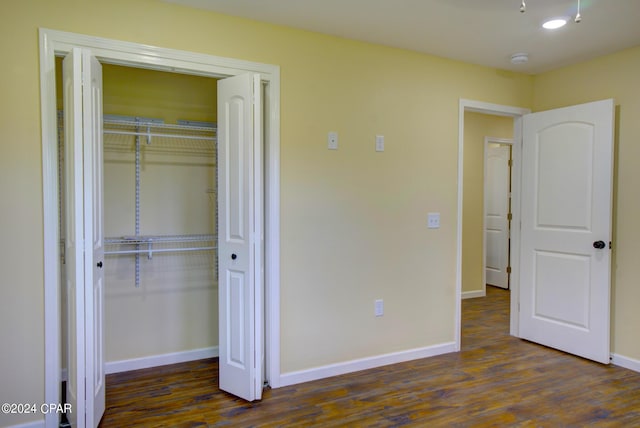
x: 240, y: 236
x: 496, y: 203
x: 84, y: 236
x: 566, y: 228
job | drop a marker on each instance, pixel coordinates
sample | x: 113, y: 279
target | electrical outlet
x: 433, y: 220
x: 379, y: 307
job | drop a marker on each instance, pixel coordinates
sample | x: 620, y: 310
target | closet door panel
x: 239, y: 286
x: 82, y: 80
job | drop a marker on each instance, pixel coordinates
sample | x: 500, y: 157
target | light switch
x: 379, y: 307
x: 379, y: 143
x: 433, y: 220
x: 332, y: 141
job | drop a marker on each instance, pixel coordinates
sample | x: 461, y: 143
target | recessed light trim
x: 555, y: 23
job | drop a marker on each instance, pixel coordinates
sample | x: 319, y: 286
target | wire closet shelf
x: 126, y: 134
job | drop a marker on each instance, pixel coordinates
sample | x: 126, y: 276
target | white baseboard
x: 160, y: 360
x: 36, y: 424
x: 330, y: 370
x: 626, y: 362
x: 473, y: 294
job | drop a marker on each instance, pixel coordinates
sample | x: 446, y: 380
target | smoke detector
x: 519, y: 58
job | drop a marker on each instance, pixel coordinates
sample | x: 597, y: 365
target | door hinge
x: 510, y: 162
x: 509, y: 216
x: 508, y: 269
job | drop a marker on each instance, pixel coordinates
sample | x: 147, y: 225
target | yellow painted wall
x: 476, y: 127
x: 353, y: 221
x: 613, y: 76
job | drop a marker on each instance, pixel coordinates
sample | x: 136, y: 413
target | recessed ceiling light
x: 554, y: 23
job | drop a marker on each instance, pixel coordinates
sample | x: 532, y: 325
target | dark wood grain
x: 496, y: 380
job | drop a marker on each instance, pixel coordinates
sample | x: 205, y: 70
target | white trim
x: 473, y: 294
x: 160, y: 360
x: 498, y: 110
x: 337, y: 369
x: 54, y: 43
x: 487, y: 141
x: 626, y: 362
x: 36, y: 424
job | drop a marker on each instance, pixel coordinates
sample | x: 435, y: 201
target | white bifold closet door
x: 240, y: 235
x: 84, y: 246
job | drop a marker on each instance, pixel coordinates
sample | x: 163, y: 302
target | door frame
x: 57, y: 43
x: 496, y: 110
x: 487, y: 141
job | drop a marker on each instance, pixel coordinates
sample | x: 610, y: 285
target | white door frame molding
x: 497, y: 110
x: 57, y: 43
x: 487, y: 141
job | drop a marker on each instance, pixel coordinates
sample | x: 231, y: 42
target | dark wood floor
x: 496, y: 380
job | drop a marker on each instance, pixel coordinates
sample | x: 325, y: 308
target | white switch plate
x: 433, y: 220
x: 332, y: 141
x: 379, y: 307
x: 379, y: 143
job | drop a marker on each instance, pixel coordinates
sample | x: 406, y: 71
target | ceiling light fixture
x: 554, y: 23
x: 577, y: 19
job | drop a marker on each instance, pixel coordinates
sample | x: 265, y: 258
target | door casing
x: 57, y: 43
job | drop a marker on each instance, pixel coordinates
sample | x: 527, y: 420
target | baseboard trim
x: 473, y: 294
x: 626, y: 362
x: 36, y: 424
x: 330, y: 370
x: 160, y: 360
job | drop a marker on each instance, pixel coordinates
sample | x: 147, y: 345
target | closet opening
x: 93, y: 52
x: 160, y: 213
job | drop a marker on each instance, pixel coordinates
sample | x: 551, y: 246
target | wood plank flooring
x: 496, y: 380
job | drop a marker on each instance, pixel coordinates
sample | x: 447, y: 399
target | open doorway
x: 160, y: 211
x: 545, y: 144
x: 159, y: 299
x: 58, y: 44
x: 486, y: 202
x: 466, y: 183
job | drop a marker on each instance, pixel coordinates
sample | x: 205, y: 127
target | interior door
x: 566, y: 228
x: 82, y: 77
x: 496, y: 213
x: 240, y: 236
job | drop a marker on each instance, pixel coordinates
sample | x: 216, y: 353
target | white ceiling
x: 485, y: 32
